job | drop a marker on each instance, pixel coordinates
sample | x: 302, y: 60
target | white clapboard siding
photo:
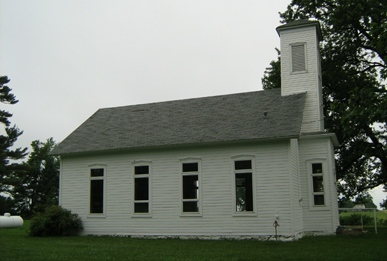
x: 318, y: 218
x: 273, y: 193
x: 281, y: 180
x: 295, y: 183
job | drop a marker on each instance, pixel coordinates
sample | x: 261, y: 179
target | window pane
x: 190, y: 187
x: 96, y: 196
x: 141, y: 189
x: 243, y: 164
x: 141, y: 170
x: 244, y: 192
x: 141, y: 208
x: 96, y: 172
x: 319, y: 199
x: 241, y: 199
x: 190, y: 167
x: 317, y: 168
x: 318, y: 185
x: 190, y: 207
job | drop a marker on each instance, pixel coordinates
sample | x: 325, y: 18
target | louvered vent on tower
x: 298, y: 58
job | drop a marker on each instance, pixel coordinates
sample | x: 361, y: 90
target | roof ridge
x: 191, y: 99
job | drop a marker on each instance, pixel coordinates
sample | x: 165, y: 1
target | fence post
x: 376, y: 226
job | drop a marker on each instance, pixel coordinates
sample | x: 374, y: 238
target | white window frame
x: 253, y: 181
x: 305, y: 57
x: 149, y: 175
x: 325, y: 177
x: 199, y: 194
x: 103, y: 178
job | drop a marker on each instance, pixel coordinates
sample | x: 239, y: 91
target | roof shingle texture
x: 233, y: 117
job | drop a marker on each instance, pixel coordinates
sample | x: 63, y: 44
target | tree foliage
x: 354, y: 74
x: 365, y: 199
x: 7, y: 154
x: 346, y: 203
x: 272, y: 75
x: 37, y: 183
x: 384, y: 204
x: 7, y: 205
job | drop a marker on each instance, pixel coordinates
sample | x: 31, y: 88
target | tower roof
x: 299, y: 24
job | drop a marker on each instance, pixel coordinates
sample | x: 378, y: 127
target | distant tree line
x: 363, y: 199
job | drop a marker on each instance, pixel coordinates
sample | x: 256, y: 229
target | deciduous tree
x: 366, y: 199
x: 384, y: 204
x: 354, y: 70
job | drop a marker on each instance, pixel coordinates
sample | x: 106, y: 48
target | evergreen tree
x: 8, y: 156
x: 354, y: 74
x: 38, y: 182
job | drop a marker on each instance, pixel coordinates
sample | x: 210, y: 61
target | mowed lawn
x: 15, y: 244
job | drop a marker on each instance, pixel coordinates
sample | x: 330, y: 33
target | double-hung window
x: 318, y: 184
x: 97, y: 178
x: 244, y: 198
x: 142, y: 189
x: 190, y: 187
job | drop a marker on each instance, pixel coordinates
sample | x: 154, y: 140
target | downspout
x: 60, y: 179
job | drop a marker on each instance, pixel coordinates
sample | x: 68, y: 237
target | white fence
x: 361, y: 210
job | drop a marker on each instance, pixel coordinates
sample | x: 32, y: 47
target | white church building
x: 223, y: 166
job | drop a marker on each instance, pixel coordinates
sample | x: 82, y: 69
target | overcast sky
x: 68, y: 58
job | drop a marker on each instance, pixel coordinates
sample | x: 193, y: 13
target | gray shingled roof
x: 233, y: 117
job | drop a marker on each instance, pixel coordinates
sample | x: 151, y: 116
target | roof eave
x: 217, y: 143
x: 330, y: 135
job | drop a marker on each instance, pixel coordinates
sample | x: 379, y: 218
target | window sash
x: 243, y: 192
x: 141, y: 187
x: 96, y: 196
x: 318, y: 190
x: 243, y: 187
x: 143, y: 169
x: 191, y: 206
x: 97, y: 190
x: 141, y: 207
x: 190, y: 187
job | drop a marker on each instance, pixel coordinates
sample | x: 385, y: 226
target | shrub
x: 55, y: 221
x: 382, y: 222
x: 355, y: 220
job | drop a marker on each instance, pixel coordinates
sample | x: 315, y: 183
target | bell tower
x: 301, y: 69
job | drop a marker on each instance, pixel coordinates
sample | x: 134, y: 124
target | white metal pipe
x: 375, y: 222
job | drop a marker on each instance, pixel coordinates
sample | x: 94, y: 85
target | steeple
x: 301, y: 69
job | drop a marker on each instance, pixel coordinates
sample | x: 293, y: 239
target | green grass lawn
x: 15, y: 244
